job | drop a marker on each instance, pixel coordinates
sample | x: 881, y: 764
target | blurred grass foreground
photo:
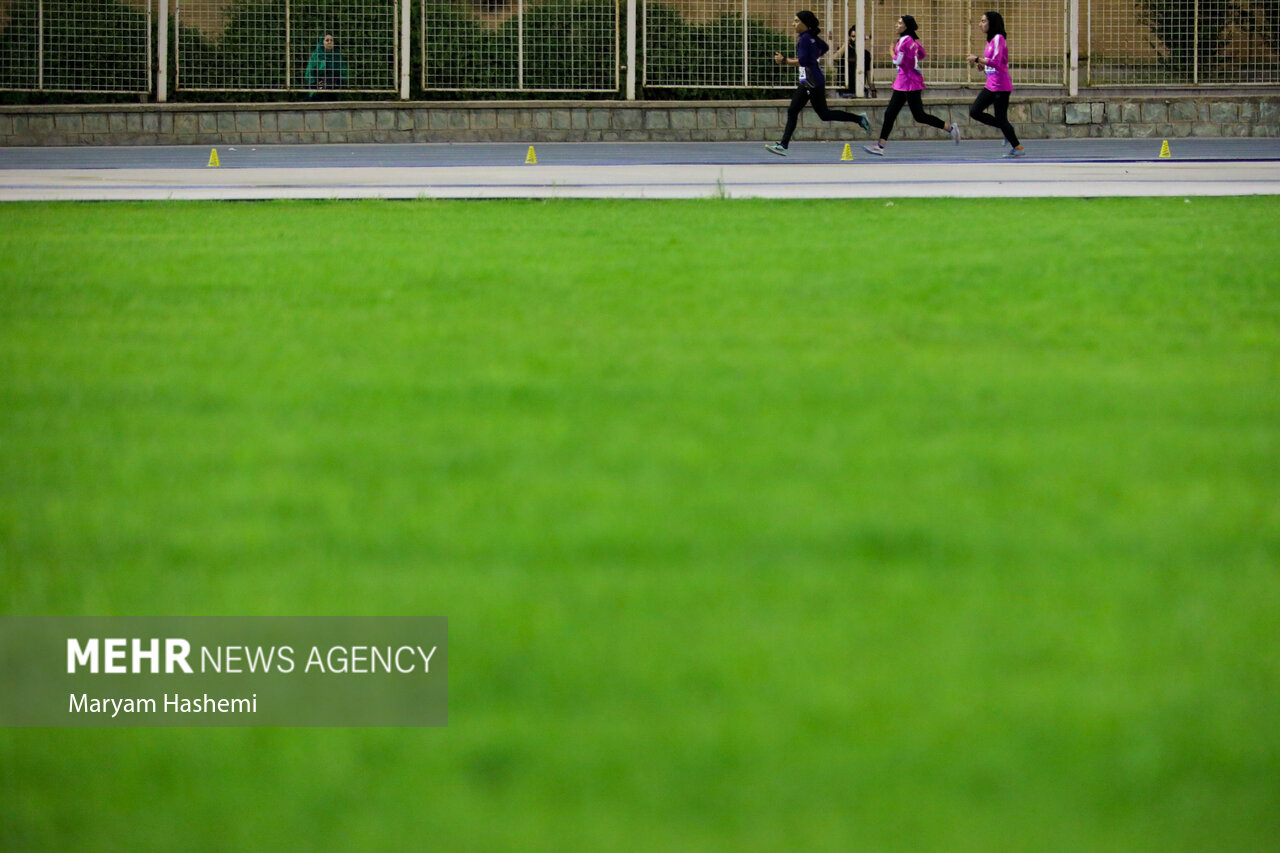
x: 951, y: 525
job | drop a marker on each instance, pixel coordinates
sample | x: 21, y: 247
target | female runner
x: 812, y: 85
x: 907, y: 53
x: 994, y: 62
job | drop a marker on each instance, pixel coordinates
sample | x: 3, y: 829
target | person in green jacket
x: 326, y: 70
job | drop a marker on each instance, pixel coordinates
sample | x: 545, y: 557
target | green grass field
x: 946, y: 525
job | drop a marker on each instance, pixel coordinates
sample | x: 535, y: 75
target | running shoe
x: 777, y: 148
x: 955, y: 133
x: 864, y: 123
x: 877, y: 150
x: 1015, y: 153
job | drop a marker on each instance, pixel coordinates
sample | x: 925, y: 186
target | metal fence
x: 1180, y: 42
x: 320, y: 46
x: 1037, y: 37
x: 727, y: 43
x: 681, y: 46
x: 75, y: 45
x: 730, y: 43
x: 521, y: 46
x: 710, y: 44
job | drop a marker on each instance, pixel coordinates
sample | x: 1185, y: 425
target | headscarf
x: 810, y: 22
x: 995, y: 25
x: 326, y: 68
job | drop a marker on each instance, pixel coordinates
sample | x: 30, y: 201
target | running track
x: 1110, y: 167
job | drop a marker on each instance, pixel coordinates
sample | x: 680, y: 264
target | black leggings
x: 911, y: 99
x: 818, y: 95
x: 986, y: 98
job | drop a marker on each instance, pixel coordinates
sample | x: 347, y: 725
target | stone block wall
x: 1035, y: 117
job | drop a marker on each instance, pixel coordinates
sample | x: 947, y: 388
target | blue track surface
x: 625, y: 154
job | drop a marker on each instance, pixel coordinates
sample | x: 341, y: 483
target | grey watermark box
x: 223, y: 671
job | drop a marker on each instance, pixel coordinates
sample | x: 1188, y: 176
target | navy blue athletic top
x: 809, y: 49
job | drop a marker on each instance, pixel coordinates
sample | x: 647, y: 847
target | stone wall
x: 1035, y: 117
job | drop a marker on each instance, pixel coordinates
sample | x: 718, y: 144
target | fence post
x: 859, y: 61
x: 520, y: 44
x: 40, y: 45
x: 968, y: 34
x: 1073, y: 30
x: 829, y: 15
x: 1195, y: 45
x: 631, y: 49
x: 404, y: 49
x: 162, y: 53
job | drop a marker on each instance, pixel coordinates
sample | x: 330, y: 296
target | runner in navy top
x: 812, y: 85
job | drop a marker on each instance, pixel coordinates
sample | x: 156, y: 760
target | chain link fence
x: 315, y: 46
x: 520, y: 46
x: 75, y: 45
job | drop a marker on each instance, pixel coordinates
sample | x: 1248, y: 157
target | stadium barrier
x: 662, y: 48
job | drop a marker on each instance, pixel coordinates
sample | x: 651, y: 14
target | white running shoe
x: 955, y: 133
x: 776, y: 148
x: 1015, y: 153
x: 877, y: 150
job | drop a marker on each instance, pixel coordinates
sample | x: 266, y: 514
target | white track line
x: 860, y: 179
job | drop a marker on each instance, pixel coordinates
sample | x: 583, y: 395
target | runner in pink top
x: 907, y: 52
x: 994, y: 62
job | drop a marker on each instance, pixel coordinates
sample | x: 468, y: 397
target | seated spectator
x: 326, y: 70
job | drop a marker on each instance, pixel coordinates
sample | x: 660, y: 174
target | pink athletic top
x: 997, y: 70
x: 906, y: 53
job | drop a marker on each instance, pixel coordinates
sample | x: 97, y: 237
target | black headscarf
x: 810, y: 22
x: 995, y: 25
x: 910, y: 24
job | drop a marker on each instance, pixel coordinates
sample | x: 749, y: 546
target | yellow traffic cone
x: 531, y: 159
x: 1164, y: 150
x: 848, y: 153
x: 213, y: 158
